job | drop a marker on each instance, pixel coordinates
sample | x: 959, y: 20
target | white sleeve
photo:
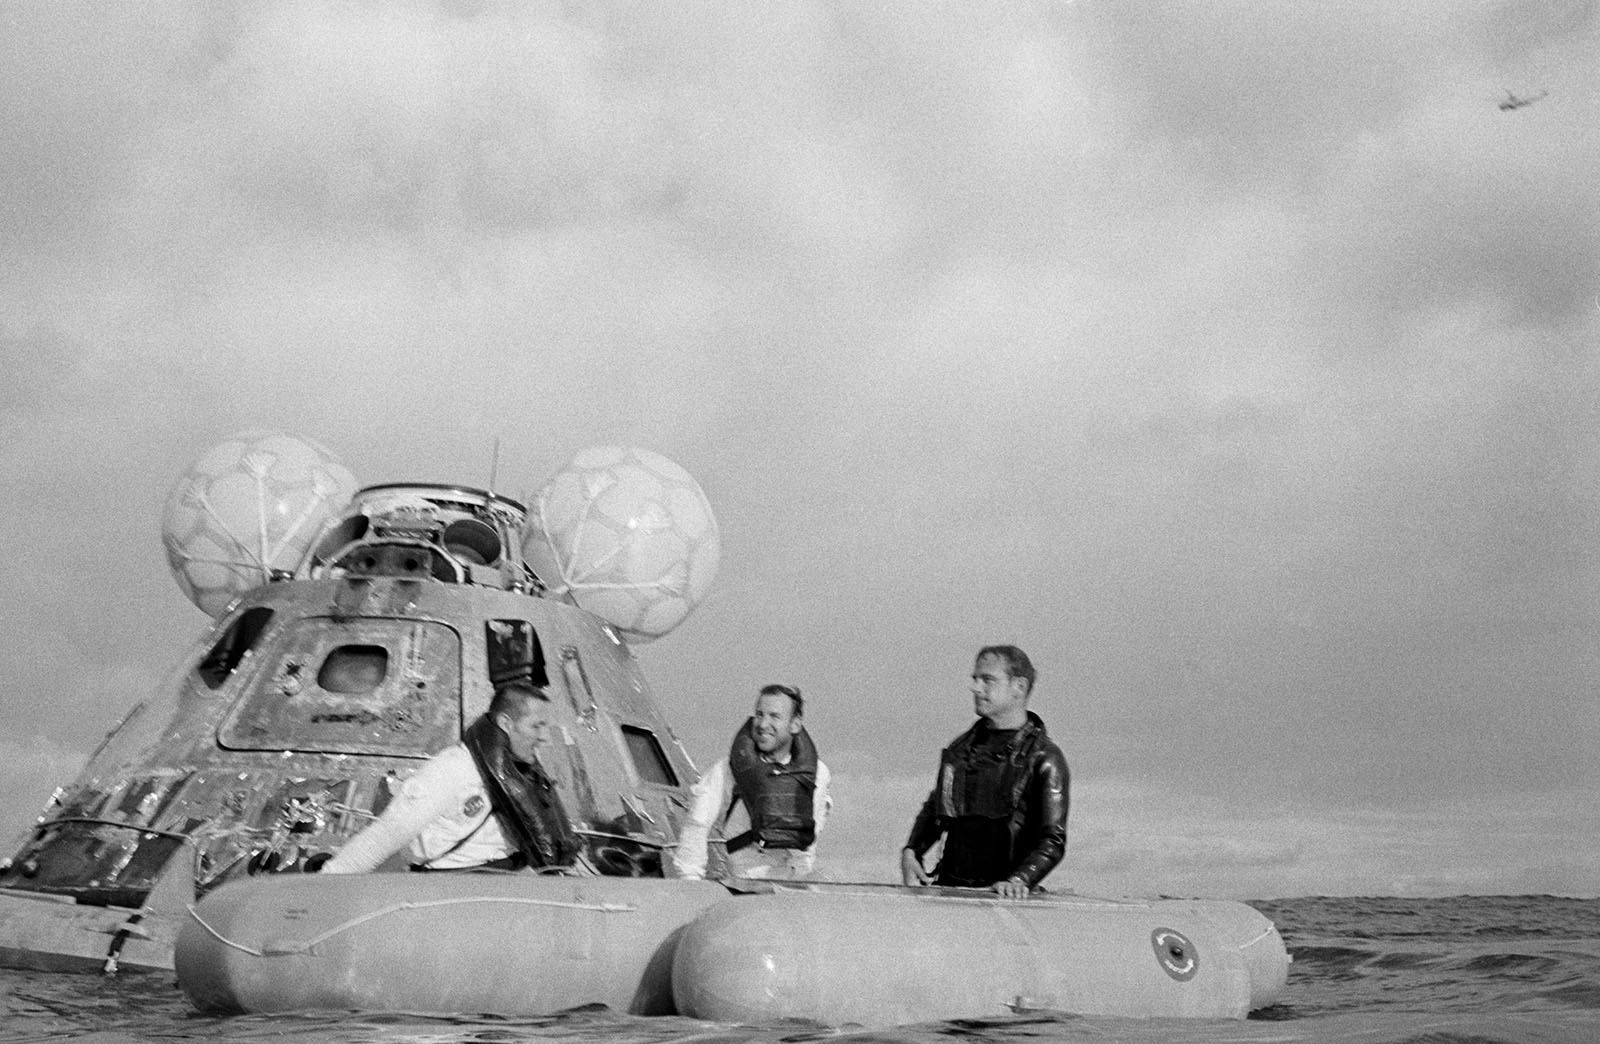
x: 821, y: 799
x: 707, y: 799
x: 427, y: 795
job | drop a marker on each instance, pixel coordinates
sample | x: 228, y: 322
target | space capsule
x: 355, y: 633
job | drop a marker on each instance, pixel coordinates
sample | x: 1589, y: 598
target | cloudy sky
x: 1237, y: 360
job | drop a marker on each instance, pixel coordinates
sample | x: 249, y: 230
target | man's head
x: 1002, y: 680
x: 518, y: 708
x: 776, y: 721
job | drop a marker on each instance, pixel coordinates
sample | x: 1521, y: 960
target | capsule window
x: 240, y: 637
x: 354, y: 669
x: 649, y: 760
x: 514, y: 652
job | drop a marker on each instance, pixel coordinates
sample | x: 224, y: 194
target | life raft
x: 886, y: 956
x: 872, y: 955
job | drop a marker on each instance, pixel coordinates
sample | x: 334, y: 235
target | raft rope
x: 287, y: 949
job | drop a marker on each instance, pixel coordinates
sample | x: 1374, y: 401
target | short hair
x: 785, y: 690
x: 511, y: 698
x: 1017, y: 663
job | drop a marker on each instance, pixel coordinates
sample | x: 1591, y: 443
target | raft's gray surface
x: 884, y: 956
x: 511, y: 943
x: 522, y: 944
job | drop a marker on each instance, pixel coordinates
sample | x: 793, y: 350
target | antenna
x: 494, y: 465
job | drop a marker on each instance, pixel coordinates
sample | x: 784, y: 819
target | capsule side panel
x: 44, y: 933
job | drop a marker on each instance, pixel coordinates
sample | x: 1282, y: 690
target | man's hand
x: 1010, y: 888
x: 911, y: 871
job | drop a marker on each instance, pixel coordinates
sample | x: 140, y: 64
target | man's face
x: 996, y: 695
x: 774, y: 724
x: 525, y: 731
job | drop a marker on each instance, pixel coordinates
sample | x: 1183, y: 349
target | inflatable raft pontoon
x: 521, y: 944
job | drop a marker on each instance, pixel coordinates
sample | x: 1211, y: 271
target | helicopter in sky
x: 1513, y: 102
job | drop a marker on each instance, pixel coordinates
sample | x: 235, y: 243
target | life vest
x: 779, y: 798
x: 977, y: 780
x: 523, y: 797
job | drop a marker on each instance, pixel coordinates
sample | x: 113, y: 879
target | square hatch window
x: 354, y: 669
x: 649, y: 760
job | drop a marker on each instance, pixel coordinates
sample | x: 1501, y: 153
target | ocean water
x: 1467, y: 970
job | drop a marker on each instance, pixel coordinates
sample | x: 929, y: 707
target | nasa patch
x: 473, y: 805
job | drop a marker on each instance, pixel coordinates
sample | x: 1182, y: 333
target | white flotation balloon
x: 629, y: 534
x: 247, y: 510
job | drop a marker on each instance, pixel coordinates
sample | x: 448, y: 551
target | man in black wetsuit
x: 1000, y: 802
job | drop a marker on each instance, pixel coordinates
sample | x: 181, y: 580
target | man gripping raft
x: 483, y: 804
x: 773, y: 769
x: 1001, y: 798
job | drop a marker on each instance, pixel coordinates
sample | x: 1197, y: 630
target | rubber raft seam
x: 305, y: 947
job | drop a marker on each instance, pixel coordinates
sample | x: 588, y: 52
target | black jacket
x: 1035, y: 807
x: 525, y: 800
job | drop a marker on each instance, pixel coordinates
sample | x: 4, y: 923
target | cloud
x: 34, y: 768
x: 38, y: 364
x: 1131, y: 836
x: 1137, y: 837
x: 872, y: 816
x: 1237, y: 367
x: 1445, y: 211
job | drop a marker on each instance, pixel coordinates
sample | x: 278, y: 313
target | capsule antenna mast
x: 494, y: 465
